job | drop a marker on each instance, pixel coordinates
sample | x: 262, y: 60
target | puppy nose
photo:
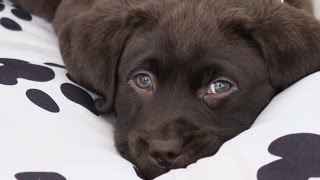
x: 164, y: 152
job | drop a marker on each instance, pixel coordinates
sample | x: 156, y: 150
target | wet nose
x: 164, y: 152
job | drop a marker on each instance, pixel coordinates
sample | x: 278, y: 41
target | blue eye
x: 219, y: 87
x: 143, y: 81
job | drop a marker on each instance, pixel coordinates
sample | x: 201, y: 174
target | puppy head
x: 198, y: 79
x: 183, y: 90
x: 185, y: 77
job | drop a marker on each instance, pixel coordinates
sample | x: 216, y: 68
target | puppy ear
x: 288, y: 39
x: 92, y: 43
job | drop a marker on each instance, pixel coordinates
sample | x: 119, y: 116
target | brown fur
x: 262, y: 45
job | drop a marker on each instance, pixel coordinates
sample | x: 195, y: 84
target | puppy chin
x: 148, y: 171
x: 152, y: 175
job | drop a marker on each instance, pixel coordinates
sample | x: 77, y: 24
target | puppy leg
x: 43, y: 8
x: 306, y: 5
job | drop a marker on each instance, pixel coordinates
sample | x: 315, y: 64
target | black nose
x: 164, y: 152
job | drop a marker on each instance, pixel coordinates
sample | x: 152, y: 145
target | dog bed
x: 50, y: 130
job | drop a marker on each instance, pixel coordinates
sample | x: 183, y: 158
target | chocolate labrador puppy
x: 183, y: 76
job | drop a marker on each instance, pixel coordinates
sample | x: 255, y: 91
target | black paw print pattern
x: 42, y: 100
x: 12, y: 69
x: 11, y: 24
x: 39, y: 176
x: 1, y: 6
x: 79, y: 96
x: 300, y: 158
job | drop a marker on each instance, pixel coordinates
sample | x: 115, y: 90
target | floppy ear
x: 91, y: 45
x: 288, y: 39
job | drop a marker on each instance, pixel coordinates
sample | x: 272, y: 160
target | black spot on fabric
x: 300, y: 158
x: 10, y: 24
x: 55, y: 65
x: 12, y: 69
x: 42, y: 100
x: 79, y: 96
x: 39, y: 176
x: 21, y: 14
x: 1, y: 7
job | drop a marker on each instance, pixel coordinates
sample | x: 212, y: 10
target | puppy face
x: 185, y: 76
x: 184, y: 88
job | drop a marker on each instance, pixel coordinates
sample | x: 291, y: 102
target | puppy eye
x: 220, y: 87
x: 143, y: 81
x: 218, y: 90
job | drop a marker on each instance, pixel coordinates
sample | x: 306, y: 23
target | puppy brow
x: 203, y: 76
x: 149, y: 64
x: 210, y: 72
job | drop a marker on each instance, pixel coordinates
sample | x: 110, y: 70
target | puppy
x: 183, y: 76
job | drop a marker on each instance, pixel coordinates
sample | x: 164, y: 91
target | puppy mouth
x: 147, y: 174
x: 152, y: 171
x: 204, y: 144
x: 139, y: 173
